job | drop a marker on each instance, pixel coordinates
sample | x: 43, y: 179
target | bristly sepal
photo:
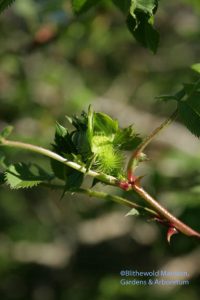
x: 97, y: 141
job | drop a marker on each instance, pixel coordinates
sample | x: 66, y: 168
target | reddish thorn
x: 131, y: 178
x: 171, y: 231
x: 137, y: 180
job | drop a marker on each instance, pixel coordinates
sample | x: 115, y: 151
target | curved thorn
x: 171, y: 231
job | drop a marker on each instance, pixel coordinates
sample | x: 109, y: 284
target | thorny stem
x: 161, y: 211
x: 136, y: 154
x: 173, y: 221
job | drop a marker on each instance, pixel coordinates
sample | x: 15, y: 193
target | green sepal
x: 62, y: 140
x: 126, y: 139
x: 104, y: 124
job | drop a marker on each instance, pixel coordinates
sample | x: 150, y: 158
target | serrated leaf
x: 132, y: 212
x: 5, y: 4
x: 196, y: 67
x: 80, y: 6
x: 6, y: 131
x: 23, y: 175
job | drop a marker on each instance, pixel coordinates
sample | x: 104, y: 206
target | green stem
x: 136, y: 154
x: 15, y: 144
x: 106, y: 196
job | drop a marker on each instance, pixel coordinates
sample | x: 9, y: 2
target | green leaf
x: 64, y: 146
x: 23, y: 175
x: 190, y: 113
x: 143, y: 31
x: 124, y: 5
x: 62, y: 140
x: 132, y: 212
x: 6, y: 132
x: 4, y: 4
x: 80, y: 6
x: 190, y: 118
x: 74, y: 180
x: 189, y: 108
x: 196, y: 67
x: 140, y: 23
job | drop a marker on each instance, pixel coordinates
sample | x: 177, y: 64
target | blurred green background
x: 54, y: 64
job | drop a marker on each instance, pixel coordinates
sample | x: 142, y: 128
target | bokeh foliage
x: 52, y: 64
